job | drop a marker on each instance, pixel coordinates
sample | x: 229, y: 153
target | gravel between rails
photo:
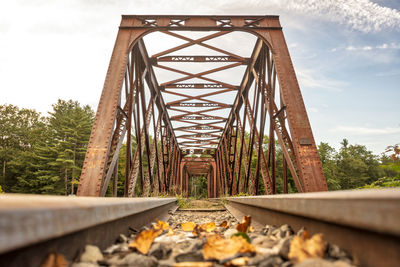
x: 171, y: 250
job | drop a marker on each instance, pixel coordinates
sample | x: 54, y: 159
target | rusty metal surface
x: 365, y: 222
x: 29, y: 219
x: 268, y: 97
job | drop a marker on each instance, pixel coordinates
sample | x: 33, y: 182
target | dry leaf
x: 251, y: 229
x: 144, y: 240
x: 170, y: 232
x: 188, y: 226
x: 224, y: 224
x: 303, y: 247
x: 244, y: 226
x: 208, y: 227
x: 161, y: 225
x: 194, y: 264
x: 238, y: 261
x: 198, y: 229
x: 54, y: 260
x: 219, y: 248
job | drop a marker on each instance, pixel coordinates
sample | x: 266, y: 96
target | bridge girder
x: 267, y: 102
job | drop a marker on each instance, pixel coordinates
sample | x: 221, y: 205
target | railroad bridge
x: 203, y: 97
x: 221, y: 101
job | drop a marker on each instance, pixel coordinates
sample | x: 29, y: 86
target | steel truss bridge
x: 224, y: 122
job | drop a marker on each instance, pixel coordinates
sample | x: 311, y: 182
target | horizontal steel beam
x: 198, y: 160
x: 199, y: 104
x: 197, y: 59
x: 196, y: 118
x: 198, y: 86
x: 199, y: 151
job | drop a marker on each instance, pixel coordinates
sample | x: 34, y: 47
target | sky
x: 346, y: 54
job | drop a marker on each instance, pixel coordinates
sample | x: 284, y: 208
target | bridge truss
x: 238, y: 129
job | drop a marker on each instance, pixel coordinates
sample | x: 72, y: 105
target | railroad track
x: 366, y: 223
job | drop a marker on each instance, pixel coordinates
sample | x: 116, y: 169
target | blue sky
x: 346, y: 54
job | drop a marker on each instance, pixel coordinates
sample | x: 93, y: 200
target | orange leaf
x: 161, y: 225
x: 210, y: 227
x: 188, y: 226
x: 144, y: 240
x: 54, y: 260
x: 224, y: 224
x: 244, y: 226
x: 194, y: 264
x: 303, y: 247
x: 219, y: 248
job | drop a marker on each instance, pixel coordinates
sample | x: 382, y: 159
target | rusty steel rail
x: 31, y: 226
x: 366, y: 223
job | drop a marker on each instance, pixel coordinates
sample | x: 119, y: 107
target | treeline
x: 44, y: 155
x: 354, y: 166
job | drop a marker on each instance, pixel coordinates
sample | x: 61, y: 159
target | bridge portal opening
x: 220, y: 88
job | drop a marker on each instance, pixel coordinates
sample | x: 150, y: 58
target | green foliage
x: 181, y: 201
x: 44, y: 155
x: 384, y: 182
x: 198, y: 187
x: 241, y: 194
x: 244, y: 235
x: 353, y: 166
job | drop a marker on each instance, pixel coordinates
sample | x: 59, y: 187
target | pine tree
x: 70, y: 125
x: 20, y: 130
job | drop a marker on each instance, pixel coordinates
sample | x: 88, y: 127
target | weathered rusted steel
x: 121, y: 110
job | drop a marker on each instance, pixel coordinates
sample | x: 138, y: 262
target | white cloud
x: 392, y: 46
x: 358, y: 130
x: 361, y: 15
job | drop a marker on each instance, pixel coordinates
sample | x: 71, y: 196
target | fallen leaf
x: 144, y: 240
x: 170, y: 232
x: 244, y: 235
x: 224, y: 224
x: 208, y: 227
x: 238, y: 261
x: 188, y: 226
x: 194, y: 264
x: 303, y: 247
x: 244, y: 226
x: 161, y: 225
x: 54, y: 260
x: 197, y: 230
x: 251, y: 229
x: 219, y: 248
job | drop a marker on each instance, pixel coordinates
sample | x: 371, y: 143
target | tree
x: 328, y: 156
x: 357, y: 166
x: 20, y: 130
x: 53, y: 162
x: 70, y: 126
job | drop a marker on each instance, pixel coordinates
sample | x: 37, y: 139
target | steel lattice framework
x: 267, y: 103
